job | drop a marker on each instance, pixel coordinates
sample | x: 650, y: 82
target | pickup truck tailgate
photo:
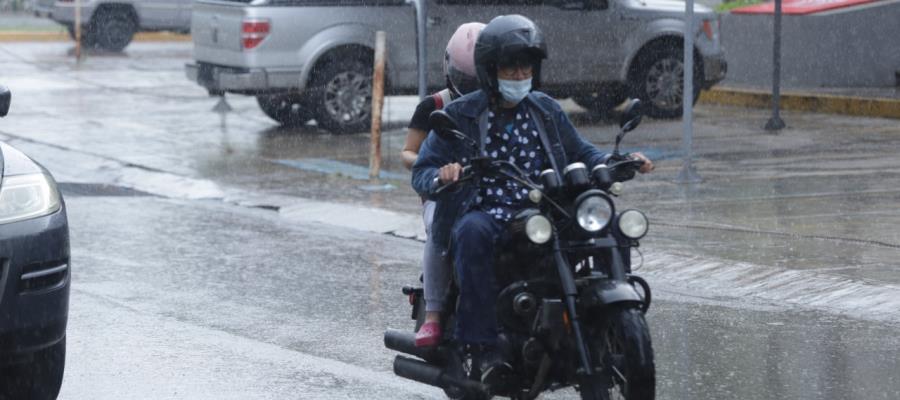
x: 216, y: 32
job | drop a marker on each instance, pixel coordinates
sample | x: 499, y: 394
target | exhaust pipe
x: 405, y: 342
x: 428, y: 374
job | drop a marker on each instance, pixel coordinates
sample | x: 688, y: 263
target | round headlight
x: 633, y: 224
x: 538, y: 229
x: 594, y: 213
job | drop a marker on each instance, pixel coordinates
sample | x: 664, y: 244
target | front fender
x: 605, y: 292
x: 349, y: 34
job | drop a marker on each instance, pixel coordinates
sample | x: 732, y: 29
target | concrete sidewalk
x: 868, y: 102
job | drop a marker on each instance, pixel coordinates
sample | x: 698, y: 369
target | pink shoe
x: 429, y: 334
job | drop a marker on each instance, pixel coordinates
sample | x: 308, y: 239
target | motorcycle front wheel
x: 621, y: 342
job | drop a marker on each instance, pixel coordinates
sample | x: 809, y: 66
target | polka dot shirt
x: 512, y: 136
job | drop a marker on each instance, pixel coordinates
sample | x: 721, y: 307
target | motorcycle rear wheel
x: 622, y: 340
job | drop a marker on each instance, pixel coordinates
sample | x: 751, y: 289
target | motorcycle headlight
x: 594, y: 213
x: 633, y: 224
x: 538, y: 229
x: 27, y: 196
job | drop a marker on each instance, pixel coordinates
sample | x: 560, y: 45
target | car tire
x: 87, y: 40
x: 39, y: 379
x: 659, y: 81
x: 286, y: 109
x: 601, y: 103
x: 112, y: 29
x: 341, y: 94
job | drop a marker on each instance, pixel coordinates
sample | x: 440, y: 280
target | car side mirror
x: 5, y: 100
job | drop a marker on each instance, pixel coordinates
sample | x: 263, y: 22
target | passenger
x: 459, y: 72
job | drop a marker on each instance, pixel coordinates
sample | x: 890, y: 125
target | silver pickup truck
x: 111, y: 24
x: 306, y: 59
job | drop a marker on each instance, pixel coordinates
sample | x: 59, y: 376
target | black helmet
x: 507, y: 39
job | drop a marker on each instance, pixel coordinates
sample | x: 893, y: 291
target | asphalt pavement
x: 776, y: 275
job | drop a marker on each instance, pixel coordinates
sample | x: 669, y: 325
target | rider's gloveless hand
x: 450, y: 173
x: 648, y: 164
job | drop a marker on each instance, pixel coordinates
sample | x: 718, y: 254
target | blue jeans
x: 475, y: 237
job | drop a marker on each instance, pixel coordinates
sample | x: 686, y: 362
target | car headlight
x: 27, y: 196
x: 594, y: 213
x: 633, y: 224
x: 538, y: 229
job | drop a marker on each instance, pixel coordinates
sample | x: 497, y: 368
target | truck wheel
x: 287, y: 109
x: 659, y: 81
x: 86, y: 39
x: 38, y: 380
x: 112, y: 29
x: 601, y: 103
x: 342, y: 95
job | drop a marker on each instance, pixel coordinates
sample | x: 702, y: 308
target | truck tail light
x: 254, y: 31
x: 708, y: 29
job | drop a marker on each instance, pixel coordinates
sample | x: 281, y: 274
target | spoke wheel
x: 659, y: 82
x: 112, y: 29
x: 287, y: 109
x: 343, y: 96
x: 622, y: 344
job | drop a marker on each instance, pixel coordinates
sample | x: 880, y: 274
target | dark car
x: 34, y: 276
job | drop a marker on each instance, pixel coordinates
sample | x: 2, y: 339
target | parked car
x: 34, y: 276
x: 305, y: 60
x: 111, y: 24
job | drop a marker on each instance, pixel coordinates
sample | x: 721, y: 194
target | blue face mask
x: 514, y: 91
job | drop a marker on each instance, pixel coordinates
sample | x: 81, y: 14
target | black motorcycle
x: 570, y: 312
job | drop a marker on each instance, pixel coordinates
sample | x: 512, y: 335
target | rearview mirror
x: 631, y: 116
x: 443, y: 124
x: 5, y: 99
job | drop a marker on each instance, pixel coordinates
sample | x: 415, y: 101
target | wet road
x: 176, y: 299
x: 204, y: 295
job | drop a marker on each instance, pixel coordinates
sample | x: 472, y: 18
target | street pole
x: 377, y: 103
x: 776, y: 123
x: 421, y: 43
x: 77, y: 31
x: 688, y: 174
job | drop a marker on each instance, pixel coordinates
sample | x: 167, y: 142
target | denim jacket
x: 559, y: 138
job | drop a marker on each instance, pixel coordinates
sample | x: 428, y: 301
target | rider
x: 459, y: 71
x: 510, y: 122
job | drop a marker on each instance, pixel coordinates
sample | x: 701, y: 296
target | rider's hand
x: 648, y: 165
x: 449, y: 173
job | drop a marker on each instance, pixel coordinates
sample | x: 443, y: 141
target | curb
x: 800, y: 101
x: 62, y: 36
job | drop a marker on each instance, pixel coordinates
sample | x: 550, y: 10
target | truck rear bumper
x: 220, y: 79
x: 714, y: 70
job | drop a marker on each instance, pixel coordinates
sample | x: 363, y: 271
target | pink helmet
x: 459, y: 59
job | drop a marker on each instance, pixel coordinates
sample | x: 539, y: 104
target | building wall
x: 858, y: 46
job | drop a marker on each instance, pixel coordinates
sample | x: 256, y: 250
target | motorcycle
x: 570, y: 312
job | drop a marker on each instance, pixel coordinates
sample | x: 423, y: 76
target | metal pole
x: 421, y: 44
x: 688, y: 174
x: 377, y: 103
x: 776, y: 123
x: 77, y: 30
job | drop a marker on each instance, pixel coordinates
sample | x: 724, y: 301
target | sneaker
x: 429, y: 334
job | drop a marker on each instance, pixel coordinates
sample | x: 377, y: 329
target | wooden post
x: 377, y: 103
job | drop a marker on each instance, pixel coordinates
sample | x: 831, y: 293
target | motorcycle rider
x: 510, y: 121
x: 459, y: 72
